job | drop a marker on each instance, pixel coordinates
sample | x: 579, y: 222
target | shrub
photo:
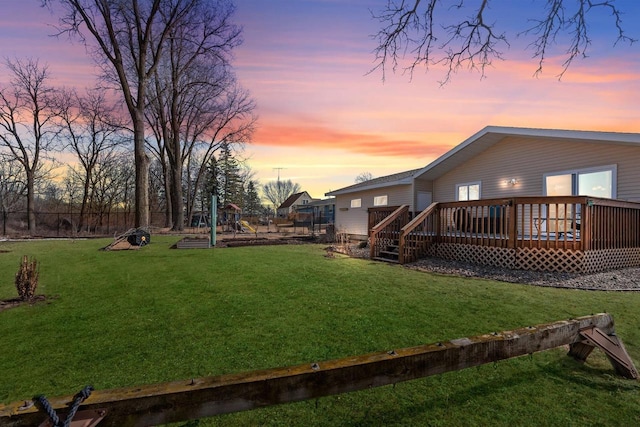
x: 27, y: 279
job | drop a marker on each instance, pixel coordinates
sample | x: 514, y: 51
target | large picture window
x: 595, y: 182
x: 468, y: 191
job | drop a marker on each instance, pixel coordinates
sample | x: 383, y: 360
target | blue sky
x: 324, y: 120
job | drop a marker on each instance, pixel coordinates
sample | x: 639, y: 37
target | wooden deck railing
x: 378, y: 214
x: 418, y: 235
x: 479, y: 222
x: 387, y: 231
x: 577, y: 223
x: 611, y: 224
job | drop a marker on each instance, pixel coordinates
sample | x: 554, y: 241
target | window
x: 468, y: 191
x: 595, y: 182
x: 380, y: 201
x: 356, y: 203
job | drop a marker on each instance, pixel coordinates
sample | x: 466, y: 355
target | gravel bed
x: 627, y: 279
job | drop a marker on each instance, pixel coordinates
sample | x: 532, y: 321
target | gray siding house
x: 501, y: 162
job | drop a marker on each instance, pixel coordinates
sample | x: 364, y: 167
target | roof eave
x: 405, y: 181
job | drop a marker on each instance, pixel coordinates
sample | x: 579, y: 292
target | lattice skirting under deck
x: 497, y: 257
x: 610, y: 259
x: 552, y: 260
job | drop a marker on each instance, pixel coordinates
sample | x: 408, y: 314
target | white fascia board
x: 406, y: 181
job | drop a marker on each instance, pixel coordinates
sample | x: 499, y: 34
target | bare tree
x: 228, y: 119
x: 472, y: 40
x: 112, y: 186
x: 26, y: 116
x: 364, y: 177
x: 194, y: 72
x: 13, y: 187
x: 128, y: 39
x: 279, y: 191
x: 93, y: 131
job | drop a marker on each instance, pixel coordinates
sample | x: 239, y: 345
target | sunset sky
x: 323, y: 119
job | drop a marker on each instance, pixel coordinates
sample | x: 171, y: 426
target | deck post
x: 513, y: 223
x: 586, y: 217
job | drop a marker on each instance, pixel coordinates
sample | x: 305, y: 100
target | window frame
x: 384, y: 197
x: 356, y: 203
x: 468, y: 184
x: 575, y: 178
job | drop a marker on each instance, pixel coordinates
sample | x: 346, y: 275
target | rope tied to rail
x: 77, y: 401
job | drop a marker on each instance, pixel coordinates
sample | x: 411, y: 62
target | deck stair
x: 391, y: 253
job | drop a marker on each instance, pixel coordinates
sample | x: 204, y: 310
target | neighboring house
x: 502, y: 162
x: 290, y: 205
x: 321, y: 211
x: 536, y: 199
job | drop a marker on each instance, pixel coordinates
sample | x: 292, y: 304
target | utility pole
x: 278, y: 169
x: 275, y: 208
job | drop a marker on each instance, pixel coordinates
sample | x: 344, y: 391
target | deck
x: 560, y: 234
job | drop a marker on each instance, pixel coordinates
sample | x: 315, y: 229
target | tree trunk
x: 31, y: 214
x: 142, y: 172
x: 85, y: 197
x: 176, y: 182
x: 168, y: 209
x: 176, y: 199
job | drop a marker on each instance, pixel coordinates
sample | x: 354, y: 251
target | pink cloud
x: 319, y: 137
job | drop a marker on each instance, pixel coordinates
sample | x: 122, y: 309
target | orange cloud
x: 320, y: 137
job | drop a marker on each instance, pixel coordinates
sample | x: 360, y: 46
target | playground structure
x: 204, y: 397
x: 247, y: 227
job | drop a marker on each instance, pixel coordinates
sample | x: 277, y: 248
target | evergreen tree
x: 252, y: 203
x: 211, y: 183
x: 229, y: 180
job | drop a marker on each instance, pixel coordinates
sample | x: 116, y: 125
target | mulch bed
x: 263, y: 241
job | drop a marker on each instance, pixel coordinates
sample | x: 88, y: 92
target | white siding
x: 355, y: 220
x: 528, y: 159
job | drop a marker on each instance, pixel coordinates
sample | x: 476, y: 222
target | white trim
x: 469, y: 184
x: 381, y: 200
x: 356, y: 203
x: 405, y: 181
x: 606, y: 168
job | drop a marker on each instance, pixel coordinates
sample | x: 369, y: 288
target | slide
x: 246, y: 225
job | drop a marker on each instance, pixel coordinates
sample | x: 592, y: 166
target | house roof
x: 232, y: 206
x: 317, y: 204
x: 292, y: 199
x: 491, y: 135
x: 401, y: 178
x: 481, y: 141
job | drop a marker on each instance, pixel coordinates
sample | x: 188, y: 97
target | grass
x: 117, y: 319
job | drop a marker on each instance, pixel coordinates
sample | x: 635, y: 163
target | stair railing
x: 418, y: 235
x: 388, y: 230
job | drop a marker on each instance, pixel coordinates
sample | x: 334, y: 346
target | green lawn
x: 116, y: 319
